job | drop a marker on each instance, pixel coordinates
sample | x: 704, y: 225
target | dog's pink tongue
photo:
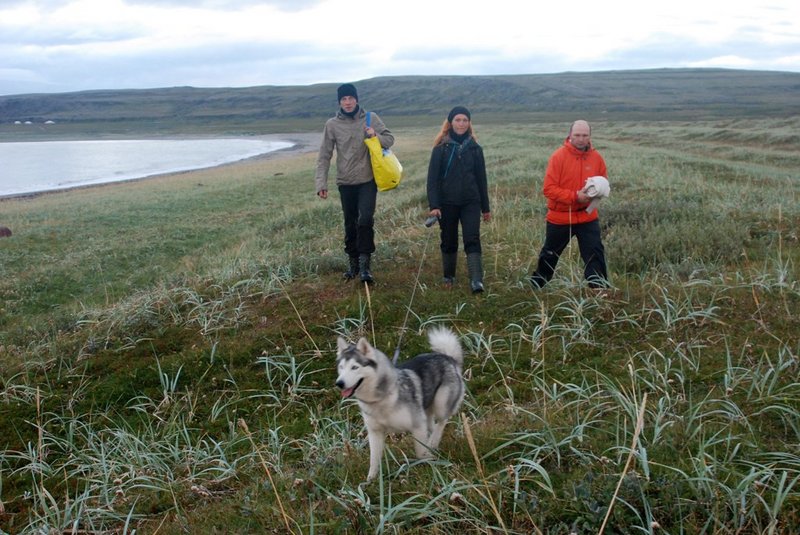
x: 346, y: 393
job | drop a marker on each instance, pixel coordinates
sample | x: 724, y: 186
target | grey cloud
x: 442, y: 53
x: 235, y: 65
x: 33, y: 37
x: 663, y: 50
x: 284, y: 5
x: 31, y: 62
x: 44, y: 4
x: 470, y: 61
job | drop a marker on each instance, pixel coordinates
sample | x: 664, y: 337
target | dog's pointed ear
x: 341, y: 344
x: 365, y: 349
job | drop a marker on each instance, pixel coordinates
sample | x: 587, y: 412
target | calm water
x: 27, y: 167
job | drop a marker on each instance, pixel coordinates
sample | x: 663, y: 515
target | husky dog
x: 418, y: 396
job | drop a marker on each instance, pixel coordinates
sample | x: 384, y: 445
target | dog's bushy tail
x: 443, y: 340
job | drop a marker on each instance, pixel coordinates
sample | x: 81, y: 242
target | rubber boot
x: 475, y: 270
x: 449, y: 262
x: 352, y: 271
x: 363, y: 268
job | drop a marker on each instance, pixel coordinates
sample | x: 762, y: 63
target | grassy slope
x: 144, y: 323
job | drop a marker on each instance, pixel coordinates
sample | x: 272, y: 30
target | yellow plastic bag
x: 385, y: 166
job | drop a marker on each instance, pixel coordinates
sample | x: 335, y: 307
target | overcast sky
x: 70, y: 45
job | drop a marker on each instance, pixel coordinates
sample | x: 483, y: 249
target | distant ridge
x: 687, y: 93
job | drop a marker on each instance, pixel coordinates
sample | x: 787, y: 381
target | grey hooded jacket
x: 346, y: 135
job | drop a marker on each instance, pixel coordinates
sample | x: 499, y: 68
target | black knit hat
x: 458, y: 110
x: 347, y: 90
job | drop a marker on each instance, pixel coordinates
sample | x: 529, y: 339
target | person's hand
x: 487, y: 216
x: 370, y: 131
x: 581, y: 197
x: 435, y: 213
x: 323, y: 194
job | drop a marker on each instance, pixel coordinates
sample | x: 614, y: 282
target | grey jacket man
x: 346, y: 134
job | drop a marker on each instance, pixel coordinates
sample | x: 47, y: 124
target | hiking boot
x: 475, y: 269
x: 363, y: 268
x: 352, y: 271
x: 449, y: 262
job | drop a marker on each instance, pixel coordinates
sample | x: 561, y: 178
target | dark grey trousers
x: 557, y: 238
x: 358, y: 205
x: 470, y: 218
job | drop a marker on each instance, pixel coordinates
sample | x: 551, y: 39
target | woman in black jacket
x: 458, y: 192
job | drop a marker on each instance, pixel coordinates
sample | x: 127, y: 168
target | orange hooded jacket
x: 566, y: 173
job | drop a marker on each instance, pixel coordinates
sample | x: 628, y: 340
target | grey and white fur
x: 417, y: 396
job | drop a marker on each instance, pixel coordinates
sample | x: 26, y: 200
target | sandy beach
x: 302, y: 143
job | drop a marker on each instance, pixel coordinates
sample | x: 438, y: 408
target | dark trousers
x: 557, y: 238
x: 469, y: 216
x: 358, y: 205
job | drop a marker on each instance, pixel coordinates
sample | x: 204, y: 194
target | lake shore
x: 302, y: 143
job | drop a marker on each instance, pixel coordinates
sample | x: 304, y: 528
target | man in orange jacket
x: 564, y: 186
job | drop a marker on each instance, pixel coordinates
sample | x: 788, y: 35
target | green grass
x: 167, y: 349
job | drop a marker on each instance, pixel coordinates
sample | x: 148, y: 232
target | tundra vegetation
x: 167, y: 348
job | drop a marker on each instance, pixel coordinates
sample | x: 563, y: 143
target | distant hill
x: 677, y: 93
